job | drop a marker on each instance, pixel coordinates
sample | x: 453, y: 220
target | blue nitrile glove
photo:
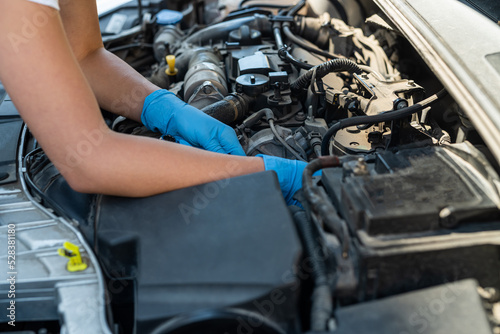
x: 165, y: 113
x: 289, y: 175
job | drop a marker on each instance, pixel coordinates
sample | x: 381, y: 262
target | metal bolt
x: 361, y: 168
x: 301, y: 116
x: 447, y: 218
x: 400, y: 104
x: 207, y: 89
x: 490, y: 294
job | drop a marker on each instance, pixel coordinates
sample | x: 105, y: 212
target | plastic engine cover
x: 230, y: 243
x: 450, y: 308
x: 413, y: 190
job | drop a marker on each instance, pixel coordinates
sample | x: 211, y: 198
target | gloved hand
x: 289, y: 175
x: 165, y: 113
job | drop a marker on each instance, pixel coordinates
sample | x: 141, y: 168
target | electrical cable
x: 283, y: 52
x: 139, y: 10
x: 321, y: 297
x: 266, y: 5
x: 335, y: 65
x: 283, y: 142
x: 298, y: 6
x: 130, y: 46
x: 324, y: 208
x: 242, y: 2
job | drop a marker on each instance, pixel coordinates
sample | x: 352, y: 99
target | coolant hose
x: 321, y: 299
x: 232, y: 108
x: 382, y: 117
x: 220, y: 31
x: 335, y: 65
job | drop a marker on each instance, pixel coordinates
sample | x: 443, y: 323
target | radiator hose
x: 232, y: 108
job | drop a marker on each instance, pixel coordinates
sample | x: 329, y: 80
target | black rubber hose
x: 295, y: 61
x: 239, y: 13
x: 283, y: 141
x: 323, y: 207
x: 242, y: 2
x: 383, y: 117
x: 321, y: 299
x: 139, y: 10
x: 283, y: 52
x: 277, y: 35
x: 220, y: 31
x: 282, y: 49
x: 340, y: 9
x: 130, y: 46
x: 233, y: 108
x: 252, y: 119
x: 304, y: 45
x: 296, y: 8
x: 299, y: 41
x: 335, y: 65
x: 266, y: 5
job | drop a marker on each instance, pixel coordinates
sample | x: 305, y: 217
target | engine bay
x: 399, y: 234
x: 320, y: 78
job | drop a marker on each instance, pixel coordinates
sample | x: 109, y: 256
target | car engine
x: 399, y: 233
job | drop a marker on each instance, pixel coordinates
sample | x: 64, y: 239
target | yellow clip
x: 72, y: 252
x: 171, y: 70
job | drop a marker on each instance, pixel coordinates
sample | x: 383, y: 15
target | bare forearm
x: 150, y: 167
x: 63, y: 114
x: 118, y: 87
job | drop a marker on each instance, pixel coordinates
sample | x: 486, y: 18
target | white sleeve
x: 51, y: 3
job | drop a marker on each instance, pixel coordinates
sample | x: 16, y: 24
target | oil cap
x: 168, y: 17
x: 252, y: 84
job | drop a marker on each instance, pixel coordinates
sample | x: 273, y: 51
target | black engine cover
x: 413, y: 190
x: 230, y: 243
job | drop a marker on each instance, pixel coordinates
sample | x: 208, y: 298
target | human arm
x: 43, y: 78
x: 117, y: 86
x: 122, y: 90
